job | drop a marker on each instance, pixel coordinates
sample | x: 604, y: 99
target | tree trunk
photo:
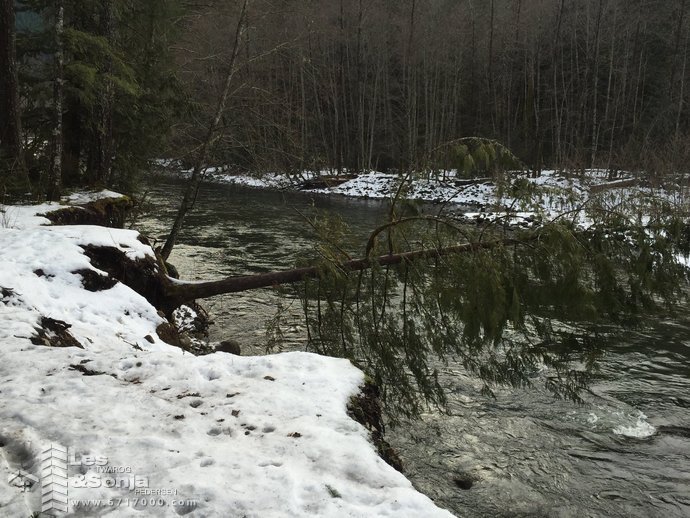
x: 557, y: 116
x: 103, y: 153
x: 72, y: 142
x: 178, y: 292
x: 13, y: 174
x: 55, y: 172
x: 202, y: 156
x: 595, y: 88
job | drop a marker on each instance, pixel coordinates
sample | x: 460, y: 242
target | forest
x: 93, y: 91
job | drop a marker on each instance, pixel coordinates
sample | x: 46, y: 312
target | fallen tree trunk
x: 178, y: 292
x: 148, y: 276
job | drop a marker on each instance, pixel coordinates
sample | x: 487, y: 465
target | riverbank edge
x: 363, y: 406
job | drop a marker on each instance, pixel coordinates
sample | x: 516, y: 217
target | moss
x: 106, y: 212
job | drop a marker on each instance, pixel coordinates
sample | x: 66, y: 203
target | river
x: 624, y: 452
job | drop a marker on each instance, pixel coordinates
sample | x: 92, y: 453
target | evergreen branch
x: 372, y: 237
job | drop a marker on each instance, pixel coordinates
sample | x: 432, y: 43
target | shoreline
x: 84, y: 371
x: 519, y: 200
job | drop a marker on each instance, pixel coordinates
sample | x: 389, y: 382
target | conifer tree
x: 117, y: 86
x: 506, y: 303
x: 13, y: 174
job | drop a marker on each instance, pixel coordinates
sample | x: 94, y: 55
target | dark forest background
x: 347, y: 84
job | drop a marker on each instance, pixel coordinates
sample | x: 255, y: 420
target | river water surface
x: 624, y: 452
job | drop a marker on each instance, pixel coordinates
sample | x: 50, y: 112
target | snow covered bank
x: 126, y: 424
x: 555, y: 190
x: 552, y: 192
x: 374, y: 184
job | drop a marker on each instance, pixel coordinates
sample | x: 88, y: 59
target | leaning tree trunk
x: 175, y: 292
x: 202, y: 156
x: 148, y: 278
x: 13, y: 175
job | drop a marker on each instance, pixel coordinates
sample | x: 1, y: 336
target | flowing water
x: 624, y: 452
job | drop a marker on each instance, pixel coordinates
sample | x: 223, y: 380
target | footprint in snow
x: 275, y: 464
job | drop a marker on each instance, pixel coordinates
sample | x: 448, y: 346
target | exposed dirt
x: 366, y: 410
x: 86, y: 371
x: 142, y: 275
x: 54, y: 333
x: 94, y: 281
x: 107, y: 212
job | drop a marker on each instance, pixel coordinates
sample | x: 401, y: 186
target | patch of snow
x: 24, y: 216
x: 153, y: 431
x: 184, y: 317
x: 79, y: 198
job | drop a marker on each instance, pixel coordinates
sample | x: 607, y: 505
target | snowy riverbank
x: 482, y: 193
x: 121, y: 422
x: 551, y: 193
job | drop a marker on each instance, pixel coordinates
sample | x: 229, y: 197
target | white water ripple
x: 641, y: 429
